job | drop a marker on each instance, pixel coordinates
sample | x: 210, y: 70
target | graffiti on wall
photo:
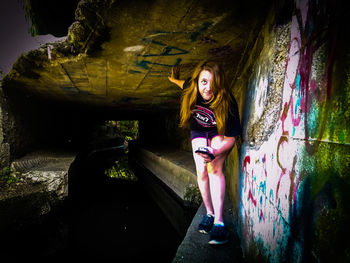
x: 145, y: 61
x: 278, y: 168
x: 156, y: 55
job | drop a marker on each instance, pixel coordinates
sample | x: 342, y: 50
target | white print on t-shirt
x: 204, y: 116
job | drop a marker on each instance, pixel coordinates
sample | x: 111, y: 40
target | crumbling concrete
x: 42, y: 183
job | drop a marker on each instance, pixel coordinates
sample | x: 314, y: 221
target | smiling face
x: 204, y: 84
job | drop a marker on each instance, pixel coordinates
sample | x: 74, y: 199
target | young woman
x: 210, y: 108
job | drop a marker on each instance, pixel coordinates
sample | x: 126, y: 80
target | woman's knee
x: 202, y: 175
x: 215, y: 172
x: 215, y: 167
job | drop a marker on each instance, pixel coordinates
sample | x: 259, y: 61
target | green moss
x: 331, y: 226
x: 339, y: 117
x: 325, y: 162
x: 333, y: 159
x: 329, y: 114
x: 192, y: 195
x: 327, y: 166
x: 8, y: 176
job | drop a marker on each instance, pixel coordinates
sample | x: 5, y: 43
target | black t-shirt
x: 203, y: 118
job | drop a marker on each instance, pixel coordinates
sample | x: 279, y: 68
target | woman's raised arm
x: 178, y: 82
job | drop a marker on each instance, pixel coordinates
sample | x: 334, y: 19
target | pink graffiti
x: 250, y: 197
x: 304, y: 86
x: 245, y: 162
x: 293, y: 58
x: 295, y: 120
x: 261, y: 215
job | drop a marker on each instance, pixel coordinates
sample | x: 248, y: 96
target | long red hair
x: 220, y: 101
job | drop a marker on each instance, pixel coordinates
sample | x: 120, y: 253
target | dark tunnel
x: 95, y: 166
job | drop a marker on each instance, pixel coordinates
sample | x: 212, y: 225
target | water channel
x: 104, y: 219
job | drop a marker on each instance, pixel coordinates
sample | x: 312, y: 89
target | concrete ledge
x: 195, y: 248
x: 175, y: 168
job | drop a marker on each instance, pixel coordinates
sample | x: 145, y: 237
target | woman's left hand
x: 175, y: 73
x: 206, y: 157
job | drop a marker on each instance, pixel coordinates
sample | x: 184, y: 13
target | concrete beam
x: 174, y: 168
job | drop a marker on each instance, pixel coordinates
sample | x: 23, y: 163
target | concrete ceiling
x: 119, y: 54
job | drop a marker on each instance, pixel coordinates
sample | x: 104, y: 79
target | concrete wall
x: 4, y: 146
x: 290, y: 181
x: 163, y: 129
x: 28, y: 124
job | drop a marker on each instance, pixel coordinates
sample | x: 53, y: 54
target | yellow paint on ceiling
x: 145, y: 41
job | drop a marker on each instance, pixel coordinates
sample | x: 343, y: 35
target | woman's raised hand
x: 174, y: 77
x: 175, y: 73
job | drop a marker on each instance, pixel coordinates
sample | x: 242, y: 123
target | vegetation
x: 121, y: 170
x: 192, y: 195
x: 7, y: 176
x: 128, y: 129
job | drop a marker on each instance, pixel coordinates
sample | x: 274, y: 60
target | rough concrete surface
x: 173, y: 167
x: 119, y: 53
x: 195, y: 248
x: 42, y: 183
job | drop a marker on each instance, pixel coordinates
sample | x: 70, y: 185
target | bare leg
x: 217, y: 181
x: 217, y: 191
x: 202, y: 175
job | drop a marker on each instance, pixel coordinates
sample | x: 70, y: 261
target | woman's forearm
x: 178, y: 82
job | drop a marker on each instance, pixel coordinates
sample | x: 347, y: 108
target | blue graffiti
x: 167, y: 50
x: 204, y: 27
x: 75, y: 90
x: 297, y: 104
x: 134, y: 71
x: 128, y: 99
x: 144, y: 64
x: 193, y: 35
x: 271, y: 195
x: 262, y: 187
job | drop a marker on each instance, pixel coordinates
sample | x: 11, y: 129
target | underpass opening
x: 100, y: 139
x: 99, y: 206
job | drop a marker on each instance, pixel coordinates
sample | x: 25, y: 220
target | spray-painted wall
x: 294, y: 164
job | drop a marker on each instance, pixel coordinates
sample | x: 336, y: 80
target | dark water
x: 105, y: 219
x: 122, y: 224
